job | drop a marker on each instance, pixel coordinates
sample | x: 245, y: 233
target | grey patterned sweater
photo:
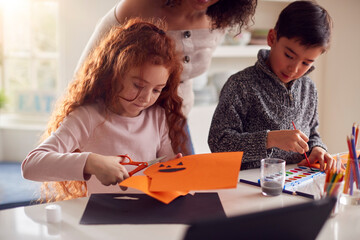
x: 253, y: 102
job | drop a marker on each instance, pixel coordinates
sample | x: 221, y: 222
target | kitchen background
x: 30, y: 94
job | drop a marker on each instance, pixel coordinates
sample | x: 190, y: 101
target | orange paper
x: 142, y: 183
x: 167, y: 180
x: 196, y: 172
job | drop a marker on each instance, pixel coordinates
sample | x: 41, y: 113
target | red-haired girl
x: 123, y: 101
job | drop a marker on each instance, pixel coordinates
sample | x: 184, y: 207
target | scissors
x: 140, y: 165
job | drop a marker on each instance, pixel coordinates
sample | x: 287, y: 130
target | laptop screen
x: 300, y: 221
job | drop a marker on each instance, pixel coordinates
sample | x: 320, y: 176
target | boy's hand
x: 288, y: 140
x: 319, y: 154
x: 106, y: 169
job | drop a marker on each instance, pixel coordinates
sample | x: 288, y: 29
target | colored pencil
x: 353, y: 129
x: 351, y: 182
x: 354, y: 168
x: 356, y: 134
x: 296, y: 193
x: 302, y: 194
x: 347, y: 176
x: 355, y: 161
x: 334, y: 185
x: 329, y: 181
x: 250, y: 182
x: 354, y: 139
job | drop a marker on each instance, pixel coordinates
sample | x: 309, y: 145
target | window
x: 29, y: 54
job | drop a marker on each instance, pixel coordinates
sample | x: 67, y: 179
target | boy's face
x: 289, y: 59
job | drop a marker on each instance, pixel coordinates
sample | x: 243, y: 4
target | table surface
x: 30, y: 222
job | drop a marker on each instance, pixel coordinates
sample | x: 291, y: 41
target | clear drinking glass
x: 354, y: 197
x: 272, y: 176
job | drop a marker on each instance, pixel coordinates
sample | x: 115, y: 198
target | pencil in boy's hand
x: 356, y: 135
x: 304, y: 152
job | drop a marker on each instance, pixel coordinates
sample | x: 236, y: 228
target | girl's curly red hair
x: 133, y: 44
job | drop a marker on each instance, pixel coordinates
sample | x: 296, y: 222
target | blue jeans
x: 189, y: 144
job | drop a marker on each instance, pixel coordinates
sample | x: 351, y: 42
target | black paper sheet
x: 143, y: 209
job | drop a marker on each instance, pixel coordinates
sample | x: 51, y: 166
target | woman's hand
x: 288, y: 140
x: 107, y: 169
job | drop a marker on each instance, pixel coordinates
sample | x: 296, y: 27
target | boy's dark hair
x: 306, y: 21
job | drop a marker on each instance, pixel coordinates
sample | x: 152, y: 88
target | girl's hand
x: 319, y: 154
x: 106, y: 169
x: 288, y: 140
x: 179, y: 155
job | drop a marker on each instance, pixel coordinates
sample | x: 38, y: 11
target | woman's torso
x: 194, y: 44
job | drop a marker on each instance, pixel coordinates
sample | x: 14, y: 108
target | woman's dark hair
x: 227, y: 13
x: 306, y: 21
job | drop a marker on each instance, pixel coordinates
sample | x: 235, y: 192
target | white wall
x: 77, y: 22
x: 340, y: 82
x: 16, y: 143
x: 18, y: 137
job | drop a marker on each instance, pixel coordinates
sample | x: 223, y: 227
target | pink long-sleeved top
x: 143, y: 138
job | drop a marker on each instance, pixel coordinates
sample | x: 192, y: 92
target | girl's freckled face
x: 141, y: 87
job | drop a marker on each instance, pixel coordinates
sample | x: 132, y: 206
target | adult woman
x: 197, y: 26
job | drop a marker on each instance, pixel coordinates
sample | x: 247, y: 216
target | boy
x: 258, y: 105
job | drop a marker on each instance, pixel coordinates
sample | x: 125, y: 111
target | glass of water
x: 272, y: 176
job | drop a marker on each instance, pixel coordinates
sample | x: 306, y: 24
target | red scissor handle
x: 140, y: 165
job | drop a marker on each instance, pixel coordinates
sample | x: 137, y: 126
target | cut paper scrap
x: 142, y: 183
x: 167, y: 180
x: 196, y: 172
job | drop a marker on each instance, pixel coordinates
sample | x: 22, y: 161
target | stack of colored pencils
x: 352, y: 172
x: 333, y: 182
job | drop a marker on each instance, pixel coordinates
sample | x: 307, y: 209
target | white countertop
x: 30, y: 222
